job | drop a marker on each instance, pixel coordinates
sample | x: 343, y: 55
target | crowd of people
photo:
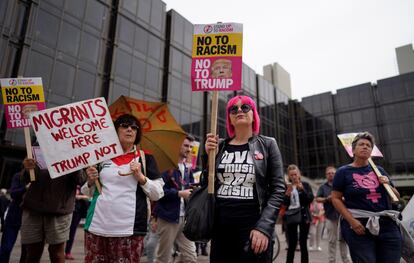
x: 129, y: 205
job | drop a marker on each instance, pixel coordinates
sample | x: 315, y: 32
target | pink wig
x: 244, y: 100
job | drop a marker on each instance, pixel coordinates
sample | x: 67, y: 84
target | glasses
x: 127, y: 125
x: 245, y: 108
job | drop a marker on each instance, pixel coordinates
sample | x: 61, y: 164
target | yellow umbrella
x: 161, y: 134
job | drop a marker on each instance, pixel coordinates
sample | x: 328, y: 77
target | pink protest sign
x: 21, y: 96
x: 217, y: 57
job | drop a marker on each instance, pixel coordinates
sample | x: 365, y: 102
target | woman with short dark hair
x: 360, y: 197
x: 117, y: 218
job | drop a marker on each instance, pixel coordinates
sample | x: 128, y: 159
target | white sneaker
x: 311, y: 249
x: 319, y: 249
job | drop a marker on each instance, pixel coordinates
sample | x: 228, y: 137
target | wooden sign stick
x: 28, y: 141
x: 98, y: 186
x: 391, y: 193
x: 212, y: 154
x: 29, y: 151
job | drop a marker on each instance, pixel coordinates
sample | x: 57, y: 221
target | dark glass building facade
x: 385, y: 109
x: 395, y: 111
x: 89, y: 48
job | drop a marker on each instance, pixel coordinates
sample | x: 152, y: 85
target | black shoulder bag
x: 199, y: 215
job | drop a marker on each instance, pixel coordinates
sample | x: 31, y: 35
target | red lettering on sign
x: 71, y: 114
x: 102, y: 151
x: 101, y: 105
x: 85, y: 141
x: 80, y: 129
x: 70, y: 164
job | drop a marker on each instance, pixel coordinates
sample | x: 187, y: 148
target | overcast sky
x: 325, y: 45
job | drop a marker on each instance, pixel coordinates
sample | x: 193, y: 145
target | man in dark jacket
x: 47, y: 212
x: 171, y: 208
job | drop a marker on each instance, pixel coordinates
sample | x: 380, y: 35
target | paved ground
x: 315, y: 257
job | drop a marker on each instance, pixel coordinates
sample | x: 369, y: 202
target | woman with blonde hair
x: 298, y: 198
x: 116, y: 222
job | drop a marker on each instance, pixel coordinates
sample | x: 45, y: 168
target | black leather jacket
x: 270, y: 184
x: 305, y: 200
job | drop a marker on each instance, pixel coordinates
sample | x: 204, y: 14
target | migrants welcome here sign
x: 76, y: 135
x: 217, y: 57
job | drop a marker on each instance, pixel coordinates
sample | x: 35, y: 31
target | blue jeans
x: 384, y: 248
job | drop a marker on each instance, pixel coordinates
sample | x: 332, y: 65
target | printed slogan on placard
x: 217, y: 57
x: 20, y: 97
x: 76, y: 135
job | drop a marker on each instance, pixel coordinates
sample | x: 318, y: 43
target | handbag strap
x: 142, y: 154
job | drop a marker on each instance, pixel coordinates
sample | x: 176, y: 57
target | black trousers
x: 292, y: 232
x: 231, y: 243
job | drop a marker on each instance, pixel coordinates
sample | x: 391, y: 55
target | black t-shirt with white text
x: 236, y: 195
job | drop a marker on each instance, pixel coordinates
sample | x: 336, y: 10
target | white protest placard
x: 408, y: 216
x: 76, y: 135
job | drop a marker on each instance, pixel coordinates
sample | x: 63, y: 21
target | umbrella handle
x: 135, y: 159
x: 125, y: 174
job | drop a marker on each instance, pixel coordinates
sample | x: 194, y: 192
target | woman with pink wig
x: 249, y: 187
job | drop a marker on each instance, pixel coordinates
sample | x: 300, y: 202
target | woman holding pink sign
x: 369, y: 224
x: 249, y: 187
x: 116, y: 222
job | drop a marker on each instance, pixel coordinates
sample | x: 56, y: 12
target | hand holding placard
x: 391, y: 193
x: 93, y: 178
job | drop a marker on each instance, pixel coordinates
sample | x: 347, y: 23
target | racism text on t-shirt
x: 236, y: 174
x: 237, y: 202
